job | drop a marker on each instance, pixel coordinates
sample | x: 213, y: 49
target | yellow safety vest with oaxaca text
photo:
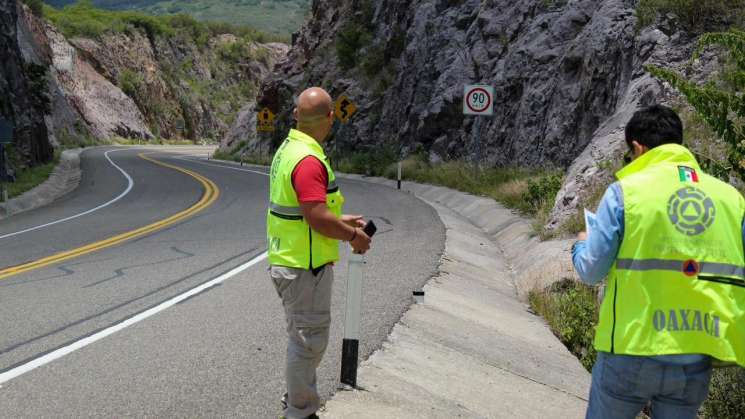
x: 291, y: 240
x: 678, y: 283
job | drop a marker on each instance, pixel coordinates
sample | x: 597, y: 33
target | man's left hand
x: 353, y: 221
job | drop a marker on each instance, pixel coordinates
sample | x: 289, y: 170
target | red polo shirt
x: 310, y: 181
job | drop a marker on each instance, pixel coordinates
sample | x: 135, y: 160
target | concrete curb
x: 473, y: 349
x: 64, y: 179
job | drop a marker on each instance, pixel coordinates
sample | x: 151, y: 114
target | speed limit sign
x: 478, y: 100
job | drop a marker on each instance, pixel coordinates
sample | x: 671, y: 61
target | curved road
x: 122, y: 329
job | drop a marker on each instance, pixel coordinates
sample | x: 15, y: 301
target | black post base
x: 349, y: 359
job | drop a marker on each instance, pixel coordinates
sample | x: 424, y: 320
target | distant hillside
x: 277, y: 17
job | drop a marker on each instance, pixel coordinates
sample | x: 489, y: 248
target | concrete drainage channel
x: 473, y: 349
x: 64, y: 179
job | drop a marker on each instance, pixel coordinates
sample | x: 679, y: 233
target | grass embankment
x: 530, y: 192
x: 86, y: 20
x: 30, y: 178
x: 694, y: 15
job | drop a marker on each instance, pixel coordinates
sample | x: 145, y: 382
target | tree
x: 721, y: 105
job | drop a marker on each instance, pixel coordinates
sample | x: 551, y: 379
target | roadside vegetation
x: 30, y: 177
x: 278, y: 17
x: 85, y: 19
x: 695, y: 15
x: 531, y: 192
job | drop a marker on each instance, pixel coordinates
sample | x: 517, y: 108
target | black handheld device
x: 370, y: 229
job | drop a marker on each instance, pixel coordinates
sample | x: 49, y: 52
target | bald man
x: 304, y: 227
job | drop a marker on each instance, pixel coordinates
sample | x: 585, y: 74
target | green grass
x: 278, y: 18
x: 531, y: 192
x: 571, y: 310
x: 694, y: 15
x: 30, y: 178
x: 157, y: 141
x: 86, y: 20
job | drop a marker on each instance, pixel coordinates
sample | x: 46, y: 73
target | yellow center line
x: 210, y: 195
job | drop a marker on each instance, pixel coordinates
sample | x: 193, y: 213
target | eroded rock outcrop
x: 567, y: 75
x: 21, y: 92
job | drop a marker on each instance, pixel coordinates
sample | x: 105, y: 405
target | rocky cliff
x: 187, y: 81
x: 21, y: 91
x: 567, y: 75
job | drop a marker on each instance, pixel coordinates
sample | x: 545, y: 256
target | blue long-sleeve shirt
x: 594, y: 257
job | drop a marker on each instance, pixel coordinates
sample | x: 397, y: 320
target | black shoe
x: 283, y: 401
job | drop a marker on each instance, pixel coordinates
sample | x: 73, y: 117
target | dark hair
x: 654, y: 126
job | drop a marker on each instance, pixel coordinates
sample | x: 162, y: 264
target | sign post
x: 478, y: 99
x: 344, y: 109
x: 6, y: 137
x: 265, y: 121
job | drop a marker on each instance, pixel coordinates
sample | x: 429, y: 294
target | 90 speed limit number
x: 478, y: 100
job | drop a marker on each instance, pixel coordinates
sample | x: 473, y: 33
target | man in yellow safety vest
x: 304, y: 227
x: 670, y: 240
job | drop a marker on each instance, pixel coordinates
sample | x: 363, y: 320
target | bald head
x: 313, y: 106
x: 314, y: 113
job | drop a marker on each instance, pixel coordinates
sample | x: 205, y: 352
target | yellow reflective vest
x: 678, y: 283
x: 291, y: 241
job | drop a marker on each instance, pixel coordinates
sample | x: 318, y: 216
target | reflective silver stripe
x: 291, y: 211
x: 723, y: 269
x: 708, y: 268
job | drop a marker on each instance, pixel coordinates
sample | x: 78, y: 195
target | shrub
x: 130, y: 83
x: 571, y: 310
x: 36, y: 6
x: 373, y: 61
x: 350, y: 40
x: 542, y: 191
x: 38, y: 81
x: 695, y: 15
x: 722, y: 107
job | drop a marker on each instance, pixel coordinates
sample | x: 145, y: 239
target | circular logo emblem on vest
x: 691, y: 211
x: 691, y: 268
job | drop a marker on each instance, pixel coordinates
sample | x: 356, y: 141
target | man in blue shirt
x: 622, y: 385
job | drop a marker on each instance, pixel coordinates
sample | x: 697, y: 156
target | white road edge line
x: 198, y: 161
x: 59, y: 353
x: 130, y: 185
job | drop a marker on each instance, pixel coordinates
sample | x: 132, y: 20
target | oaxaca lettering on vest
x: 678, y: 283
x: 682, y: 320
x: 291, y: 240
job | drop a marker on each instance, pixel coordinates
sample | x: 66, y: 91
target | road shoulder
x: 473, y: 349
x: 64, y: 179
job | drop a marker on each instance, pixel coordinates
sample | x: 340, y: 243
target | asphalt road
x: 218, y: 353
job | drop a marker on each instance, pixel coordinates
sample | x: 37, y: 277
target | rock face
x: 558, y: 69
x: 22, y: 96
x: 567, y: 75
x: 593, y: 169
x: 106, y: 109
x: 137, y: 84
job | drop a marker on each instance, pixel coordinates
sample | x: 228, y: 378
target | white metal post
x: 350, y: 346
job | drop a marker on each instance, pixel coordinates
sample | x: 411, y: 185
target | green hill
x: 276, y: 17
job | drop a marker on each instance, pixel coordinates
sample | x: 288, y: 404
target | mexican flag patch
x: 687, y: 174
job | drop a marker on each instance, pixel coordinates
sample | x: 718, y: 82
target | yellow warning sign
x: 265, y: 121
x: 344, y: 109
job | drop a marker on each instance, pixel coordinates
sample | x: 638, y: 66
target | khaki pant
x: 307, y: 302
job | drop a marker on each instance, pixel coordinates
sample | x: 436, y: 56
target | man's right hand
x: 361, y: 242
